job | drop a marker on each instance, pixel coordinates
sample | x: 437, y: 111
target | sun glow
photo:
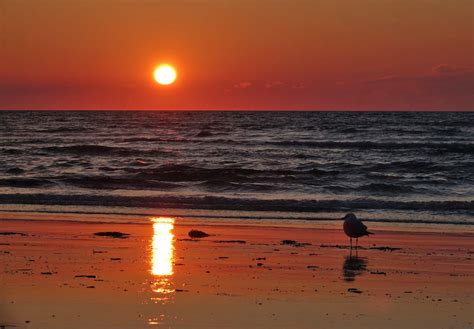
x: 165, y: 74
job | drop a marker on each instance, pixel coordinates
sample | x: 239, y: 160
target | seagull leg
x: 357, y: 243
x: 351, y: 243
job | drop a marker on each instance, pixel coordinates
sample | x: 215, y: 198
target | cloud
x: 444, y: 69
x: 273, y: 84
x: 243, y: 85
x: 298, y: 85
x: 443, y: 86
x: 437, y: 73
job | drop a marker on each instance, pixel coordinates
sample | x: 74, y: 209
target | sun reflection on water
x: 162, y: 257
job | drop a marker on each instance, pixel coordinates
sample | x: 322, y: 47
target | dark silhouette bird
x: 354, y: 228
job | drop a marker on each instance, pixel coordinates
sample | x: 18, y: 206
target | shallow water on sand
x: 62, y: 275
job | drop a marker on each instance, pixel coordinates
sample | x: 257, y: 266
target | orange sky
x: 237, y: 54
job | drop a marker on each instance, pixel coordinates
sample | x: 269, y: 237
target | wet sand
x: 61, y: 275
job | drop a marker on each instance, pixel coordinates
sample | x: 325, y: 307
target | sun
x: 165, y: 74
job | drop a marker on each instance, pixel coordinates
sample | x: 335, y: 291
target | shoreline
x: 409, y: 210
x: 206, y: 218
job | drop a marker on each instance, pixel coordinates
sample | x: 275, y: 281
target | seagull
x: 354, y: 228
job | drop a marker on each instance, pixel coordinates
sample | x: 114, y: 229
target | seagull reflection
x: 353, y: 266
x: 162, y: 256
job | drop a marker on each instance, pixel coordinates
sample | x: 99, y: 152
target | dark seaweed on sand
x: 116, y: 235
x: 294, y: 243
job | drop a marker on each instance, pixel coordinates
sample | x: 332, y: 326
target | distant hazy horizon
x: 250, y: 110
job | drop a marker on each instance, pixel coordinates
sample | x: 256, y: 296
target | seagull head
x: 350, y: 216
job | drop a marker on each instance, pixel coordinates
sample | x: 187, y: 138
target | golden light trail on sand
x: 162, y: 246
x: 162, y: 258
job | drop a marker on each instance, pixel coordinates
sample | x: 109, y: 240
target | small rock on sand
x: 197, y: 234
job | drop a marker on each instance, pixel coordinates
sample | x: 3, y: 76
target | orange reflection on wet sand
x: 162, y: 257
x: 162, y: 246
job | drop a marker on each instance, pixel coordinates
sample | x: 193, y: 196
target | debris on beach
x: 188, y: 240
x: 198, y: 234
x: 47, y: 273
x: 378, y: 273
x: 382, y: 248
x: 385, y: 248
x: 13, y: 233
x: 88, y: 276
x: 231, y: 241
x: 337, y: 246
x: 302, y: 244
x: 115, y: 235
x: 294, y: 243
x: 354, y: 290
x: 115, y: 258
x: 24, y: 270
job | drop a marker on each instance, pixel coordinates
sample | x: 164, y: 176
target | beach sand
x: 58, y: 274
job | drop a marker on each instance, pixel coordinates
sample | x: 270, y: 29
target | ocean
x: 397, y: 167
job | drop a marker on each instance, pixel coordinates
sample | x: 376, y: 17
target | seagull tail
x: 368, y: 233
